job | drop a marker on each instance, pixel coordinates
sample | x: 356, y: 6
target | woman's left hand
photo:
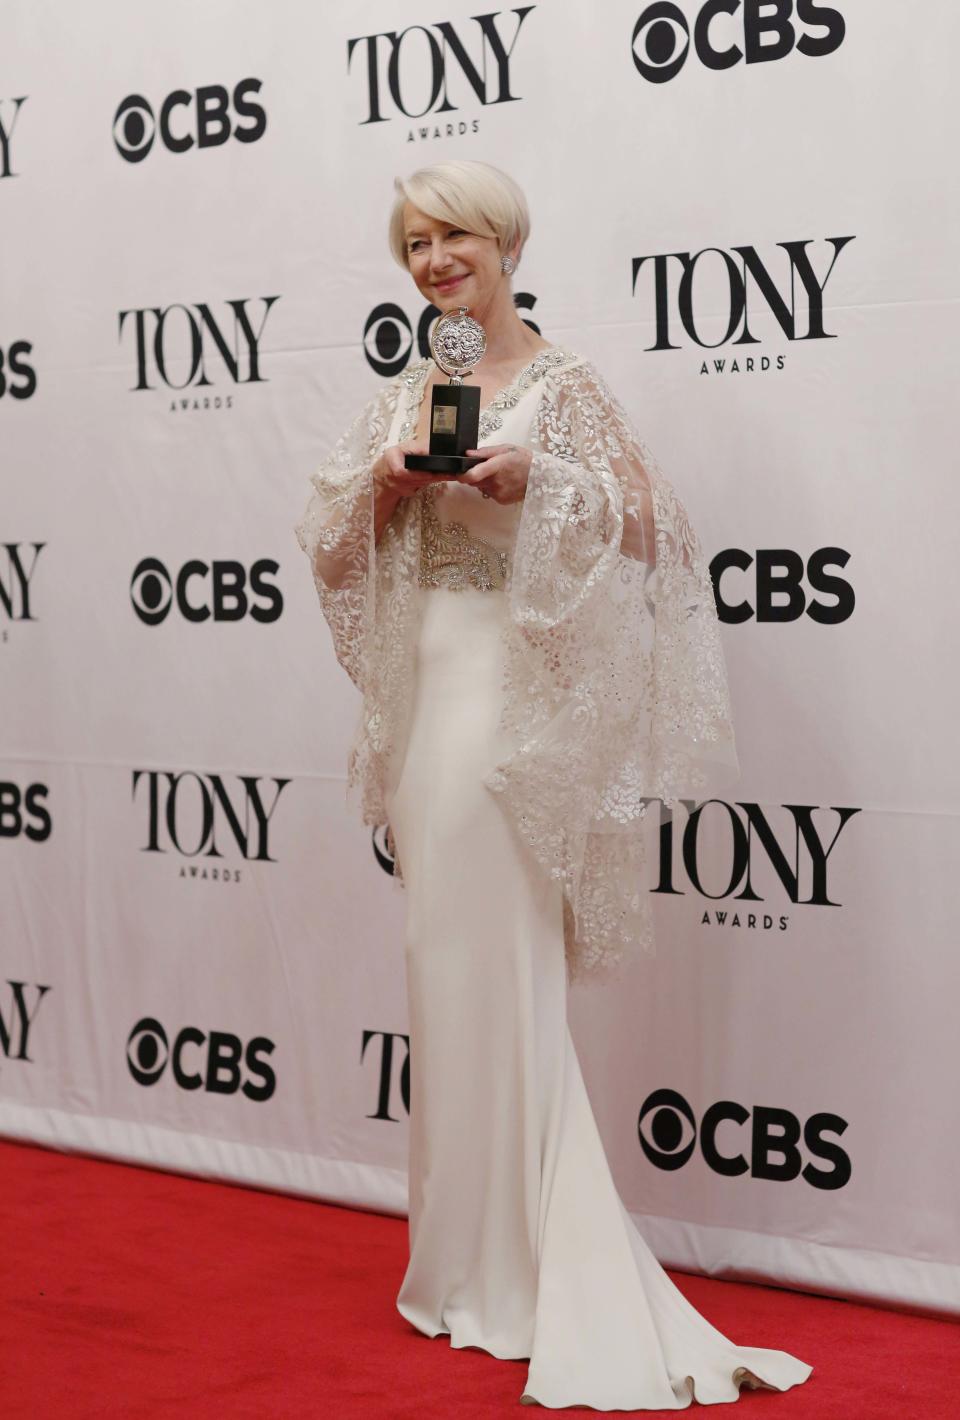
x: 503, y: 473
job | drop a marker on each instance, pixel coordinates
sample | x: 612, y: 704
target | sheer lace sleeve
x: 367, y: 592
x: 336, y: 529
x: 615, y: 686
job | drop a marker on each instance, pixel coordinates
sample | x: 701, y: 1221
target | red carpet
x: 139, y: 1295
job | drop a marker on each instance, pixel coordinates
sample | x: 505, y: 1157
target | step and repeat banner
x: 745, y: 213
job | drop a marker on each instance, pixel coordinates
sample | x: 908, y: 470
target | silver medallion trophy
x: 457, y: 344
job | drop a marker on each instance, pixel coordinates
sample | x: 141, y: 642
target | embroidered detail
x: 451, y: 556
x: 414, y: 379
x: 491, y: 418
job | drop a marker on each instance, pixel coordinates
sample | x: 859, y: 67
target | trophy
x: 458, y: 342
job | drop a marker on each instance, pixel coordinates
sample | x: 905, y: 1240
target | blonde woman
x: 537, y: 648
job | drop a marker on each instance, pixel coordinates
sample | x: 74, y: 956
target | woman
x: 537, y: 647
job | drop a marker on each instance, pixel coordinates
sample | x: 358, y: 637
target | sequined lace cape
x: 615, y: 685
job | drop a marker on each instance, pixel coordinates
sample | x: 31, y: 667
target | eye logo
x: 147, y: 1051
x: 381, y: 851
x: 387, y: 339
x: 661, y: 39
x: 661, y: 1142
x: 151, y: 591
x: 134, y: 128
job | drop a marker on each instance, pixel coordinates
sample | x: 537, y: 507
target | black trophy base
x: 454, y: 428
x: 439, y: 463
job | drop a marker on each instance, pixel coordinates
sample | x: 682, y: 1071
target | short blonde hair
x: 475, y: 196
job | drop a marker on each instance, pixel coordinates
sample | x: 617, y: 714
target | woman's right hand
x: 394, y: 479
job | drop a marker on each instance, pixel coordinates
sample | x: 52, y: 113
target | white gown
x: 519, y: 1242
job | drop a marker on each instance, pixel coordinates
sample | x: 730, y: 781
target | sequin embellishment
x: 451, y: 556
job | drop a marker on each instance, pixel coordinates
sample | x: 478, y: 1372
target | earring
x: 507, y: 265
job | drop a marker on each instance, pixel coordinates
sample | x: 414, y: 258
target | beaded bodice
x: 466, y: 539
x: 451, y: 556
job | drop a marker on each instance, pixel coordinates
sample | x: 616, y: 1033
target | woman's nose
x: 439, y: 256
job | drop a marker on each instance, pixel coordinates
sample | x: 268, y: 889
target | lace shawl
x: 615, y: 685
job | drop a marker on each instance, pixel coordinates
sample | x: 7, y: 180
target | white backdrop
x: 746, y: 214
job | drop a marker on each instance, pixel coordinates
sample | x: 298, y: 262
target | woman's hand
x: 395, y: 480
x: 503, y: 474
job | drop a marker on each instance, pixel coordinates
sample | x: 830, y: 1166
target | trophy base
x: 439, y: 463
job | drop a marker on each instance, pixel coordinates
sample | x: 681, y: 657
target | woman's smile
x: 450, y: 283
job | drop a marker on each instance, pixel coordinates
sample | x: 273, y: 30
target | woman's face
x: 450, y: 266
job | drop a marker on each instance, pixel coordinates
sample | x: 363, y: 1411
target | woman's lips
x: 448, y: 285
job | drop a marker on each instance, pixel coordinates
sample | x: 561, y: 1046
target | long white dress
x: 519, y: 1242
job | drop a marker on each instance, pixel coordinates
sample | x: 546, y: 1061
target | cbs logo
x: 135, y: 126
x: 17, y: 809
x: 198, y: 1061
x: 389, y: 338
x: 153, y: 591
x: 18, y: 378
x: 778, y: 578
x: 661, y: 37
x: 763, y: 1142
